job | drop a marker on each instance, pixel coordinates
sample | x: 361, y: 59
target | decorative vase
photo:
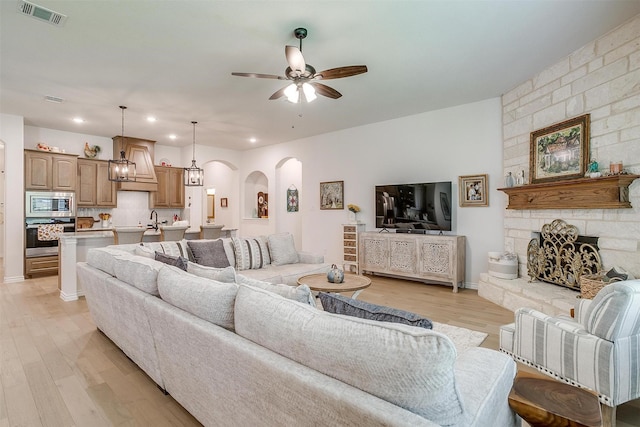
x: 335, y: 275
x: 508, y: 180
x: 352, y: 217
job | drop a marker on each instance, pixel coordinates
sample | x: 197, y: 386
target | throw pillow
x: 282, y: 249
x: 334, y: 303
x: 177, y: 248
x: 176, y: 261
x: 248, y: 252
x: 263, y: 241
x: 300, y: 293
x: 209, y: 252
x: 226, y: 274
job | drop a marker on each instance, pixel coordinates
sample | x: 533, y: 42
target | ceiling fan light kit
x: 122, y: 170
x: 304, y: 78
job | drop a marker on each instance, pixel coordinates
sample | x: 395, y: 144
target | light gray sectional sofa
x: 238, y: 351
x: 272, y: 258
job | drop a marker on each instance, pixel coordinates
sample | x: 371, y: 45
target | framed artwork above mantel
x: 560, y: 151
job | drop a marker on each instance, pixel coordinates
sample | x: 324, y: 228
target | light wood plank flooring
x: 56, y: 369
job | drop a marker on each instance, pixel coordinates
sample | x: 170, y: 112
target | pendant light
x: 122, y: 170
x: 194, y: 176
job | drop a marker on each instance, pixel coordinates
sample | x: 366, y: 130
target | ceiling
x: 173, y: 60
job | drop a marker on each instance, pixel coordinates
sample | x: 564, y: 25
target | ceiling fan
x: 304, y: 78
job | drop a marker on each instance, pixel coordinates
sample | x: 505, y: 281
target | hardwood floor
x: 56, y: 369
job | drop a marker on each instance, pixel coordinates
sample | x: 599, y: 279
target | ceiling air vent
x: 41, y: 13
x: 53, y: 99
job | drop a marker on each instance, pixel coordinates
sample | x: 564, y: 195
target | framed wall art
x: 224, y: 202
x: 473, y: 190
x: 263, y: 205
x: 560, y: 151
x: 292, y: 199
x: 332, y: 195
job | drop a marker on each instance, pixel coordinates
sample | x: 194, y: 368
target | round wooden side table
x: 352, y: 283
x: 544, y: 402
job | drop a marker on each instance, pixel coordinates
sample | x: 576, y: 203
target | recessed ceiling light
x: 253, y: 140
x: 151, y: 119
x: 78, y: 119
x: 172, y: 136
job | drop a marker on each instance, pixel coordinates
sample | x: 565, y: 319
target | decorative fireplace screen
x: 560, y: 256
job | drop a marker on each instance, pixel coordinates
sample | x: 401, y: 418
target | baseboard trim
x: 70, y: 297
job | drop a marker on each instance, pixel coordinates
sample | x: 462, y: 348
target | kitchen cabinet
x: 48, y: 171
x: 45, y: 265
x: 94, y: 187
x: 170, y: 192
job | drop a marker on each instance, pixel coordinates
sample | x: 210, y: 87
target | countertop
x: 148, y: 232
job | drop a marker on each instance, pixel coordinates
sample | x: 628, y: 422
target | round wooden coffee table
x: 352, y: 283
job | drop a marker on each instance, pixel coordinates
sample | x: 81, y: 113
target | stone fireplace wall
x: 603, y: 79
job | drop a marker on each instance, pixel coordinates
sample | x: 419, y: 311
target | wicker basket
x: 590, y: 284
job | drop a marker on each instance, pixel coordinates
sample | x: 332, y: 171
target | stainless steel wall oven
x: 45, y: 212
x: 36, y: 247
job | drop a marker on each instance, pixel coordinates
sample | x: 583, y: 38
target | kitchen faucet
x: 154, y: 223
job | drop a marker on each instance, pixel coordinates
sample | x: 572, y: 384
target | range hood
x: 141, y: 152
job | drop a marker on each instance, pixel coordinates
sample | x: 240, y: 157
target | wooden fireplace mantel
x: 607, y: 192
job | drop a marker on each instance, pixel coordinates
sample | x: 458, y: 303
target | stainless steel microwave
x: 49, y: 204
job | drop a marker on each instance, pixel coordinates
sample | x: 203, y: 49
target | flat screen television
x: 406, y: 207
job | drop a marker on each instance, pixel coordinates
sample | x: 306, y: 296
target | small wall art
x: 292, y: 199
x: 224, y: 202
x: 473, y: 190
x: 560, y: 151
x: 332, y: 195
x: 263, y: 205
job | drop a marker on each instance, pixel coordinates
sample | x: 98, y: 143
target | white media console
x: 425, y: 257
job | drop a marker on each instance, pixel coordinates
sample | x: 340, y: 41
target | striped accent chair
x: 599, y: 349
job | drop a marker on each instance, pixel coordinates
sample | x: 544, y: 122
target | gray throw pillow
x: 338, y: 304
x: 176, y: 261
x: 209, y: 252
x: 282, y: 249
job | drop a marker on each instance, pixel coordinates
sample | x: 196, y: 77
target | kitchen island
x: 73, y: 248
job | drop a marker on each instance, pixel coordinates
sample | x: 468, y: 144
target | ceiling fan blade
x: 338, y: 73
x: 325, y: 90
x: 278, y: 94
x: 295, y: 59
x: 259, y: 76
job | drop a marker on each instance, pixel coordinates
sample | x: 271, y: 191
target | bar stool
x: 124, y: 235
x: 172, y: 232
x: 211, y: 231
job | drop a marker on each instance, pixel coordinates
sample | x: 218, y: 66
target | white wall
x: 70, y: 142
x: 434, y: 146
x: 288, y: 175
x: 12, y: 135
x: 602, y: 79
x: 2, y: 200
